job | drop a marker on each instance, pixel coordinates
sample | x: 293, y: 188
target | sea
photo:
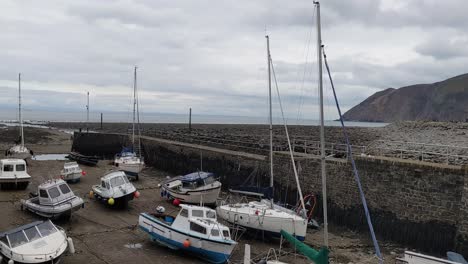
x: 35, y: 116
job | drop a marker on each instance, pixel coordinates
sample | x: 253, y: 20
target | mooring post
x: 190, y: 120
x: 101, y: 121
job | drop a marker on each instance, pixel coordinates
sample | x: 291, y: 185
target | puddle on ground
x: 137, y: 245
x: 50, y: 157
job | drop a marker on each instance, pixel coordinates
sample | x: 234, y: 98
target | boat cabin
x: 197, y: 179
x: 27, y: 233
x: 53, y: 192
x: 201, y: 221
x: 114, y: 180
x: 13, y: 168
x: 71, y: 167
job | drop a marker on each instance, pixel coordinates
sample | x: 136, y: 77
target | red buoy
x: 176, y: 202
x: 186, y: 243
x: 136, y: 194
x: 83, y: 173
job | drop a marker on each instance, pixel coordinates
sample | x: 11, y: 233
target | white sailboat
x: 19, y: 151
x: 128, y: 160
x: 264, y: 215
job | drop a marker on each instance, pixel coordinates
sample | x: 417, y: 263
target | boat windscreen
x: 20, y: 167
x: 46, y: 228
x: 211, y: 214
x: 17, y: 239
x: 64, y: 188
x: 32, y: 233
x: 117, y: 181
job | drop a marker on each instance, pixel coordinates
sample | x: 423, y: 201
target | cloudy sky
x: 210, y: 55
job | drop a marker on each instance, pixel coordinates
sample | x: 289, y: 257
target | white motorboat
x: 130, y: 160
x: 71, y: 172
x: 115, y: 189
x: 54, y: 198
x: 411, y: 257
x: 37, y: 242
x: 265, y: 216
x: 195, y: 230
x: 129, y: 163
x: 194, y: 188
x: 13, y: 174
x: 19, y: 151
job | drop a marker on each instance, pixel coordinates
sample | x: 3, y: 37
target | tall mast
x: 87, y: 110
x: 271, y: 118
x: 19, y: 111
x: 134, y: 106
x: 322, y: 129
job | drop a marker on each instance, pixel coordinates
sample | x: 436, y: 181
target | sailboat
x: 19, y: 151
x: 264, y: 215
x: 128, y: 160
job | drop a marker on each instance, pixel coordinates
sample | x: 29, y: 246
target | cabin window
x: 197, y: 213
x: 32, y: 233
x: 184, y: 213
x: 17, y: 239
x: 46, y: 228
x: 53, y: 192
x: 197, y: 228
x: 226, y: 233
x: 126, y: 179
x: 8, y: 167
x: 210, y: 214
x: 43, y: 194
x: 64, y: 188
x: 103, y: 184
x: 4, y: 240
x: 209, y: 180
x: 214, y: 232
x: 117, y: 181
x: 20, y: 167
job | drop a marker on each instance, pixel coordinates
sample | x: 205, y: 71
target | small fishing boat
x: 115, y: 189
x: 195, y: 230
x: 13, y: 174
x: 83, y: 159
x: 71, y: 172
x: 130, y: 160
x: 194, y: 188
x: 19, y: 151
x: 37, y: 242
x: 54, y: 198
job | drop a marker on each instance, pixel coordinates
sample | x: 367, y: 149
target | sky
x: 211, y: 55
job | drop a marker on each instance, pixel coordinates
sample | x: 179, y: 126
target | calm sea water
x: 165, y: 118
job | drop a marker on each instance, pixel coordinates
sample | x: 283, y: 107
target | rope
x: 355, y: 171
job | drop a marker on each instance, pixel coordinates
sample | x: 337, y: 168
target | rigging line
x: 301, y: 99
x: 287, y: 137
x: 355, y: 171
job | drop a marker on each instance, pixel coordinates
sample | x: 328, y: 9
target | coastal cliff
x: 441, y: 101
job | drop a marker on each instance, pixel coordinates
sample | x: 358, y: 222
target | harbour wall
x: 418, y: 204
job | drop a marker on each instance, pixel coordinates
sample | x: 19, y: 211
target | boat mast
x: 19, y: 110
x: 87, y: 111
x: 271, y: 118
x: 134, y: 106
x: 322, y: 129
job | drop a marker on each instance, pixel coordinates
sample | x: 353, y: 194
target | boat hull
x: 209, y: 250
x: 72, y: 177
x: 269, y: 225
x: 208, y: 195
x: 52, y: 211
x: 16, y: 183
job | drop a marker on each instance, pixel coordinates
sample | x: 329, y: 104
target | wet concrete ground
x: 105, y: 235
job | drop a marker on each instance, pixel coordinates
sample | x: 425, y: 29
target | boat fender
x: 176, y: 202
x: 71, y: 246
x: 83, y: 173
x: 91, y: 194
x: 186, y: 243
x: 11, y: 261
x: 111, y: 201
x: 137, y: 194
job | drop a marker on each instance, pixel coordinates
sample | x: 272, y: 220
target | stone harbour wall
x: 418, y: 204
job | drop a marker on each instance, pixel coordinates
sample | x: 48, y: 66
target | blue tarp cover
x: 194, y: 176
